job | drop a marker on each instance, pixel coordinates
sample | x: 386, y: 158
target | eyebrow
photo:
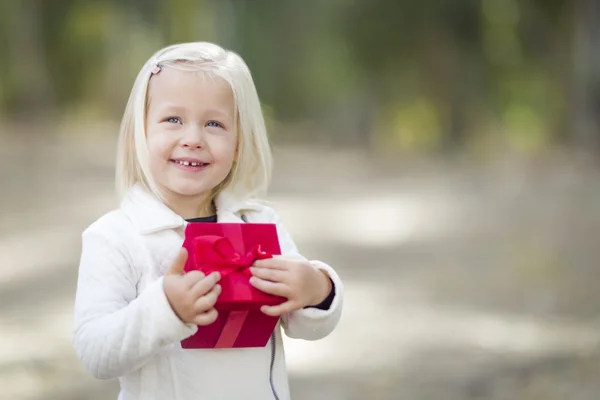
x: 170, y: 107
x: 214, y: 111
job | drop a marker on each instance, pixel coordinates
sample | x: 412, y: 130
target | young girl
x: 192, y: 147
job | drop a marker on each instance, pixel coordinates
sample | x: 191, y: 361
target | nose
x: 193, y: 138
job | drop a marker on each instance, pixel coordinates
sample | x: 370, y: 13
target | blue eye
x: 214, y: 124
x: 173, y: 120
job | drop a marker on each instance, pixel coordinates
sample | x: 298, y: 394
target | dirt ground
x: 462, y: 281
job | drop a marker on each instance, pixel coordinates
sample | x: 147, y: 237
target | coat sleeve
x: 309, y: 323
x: 115, y: 330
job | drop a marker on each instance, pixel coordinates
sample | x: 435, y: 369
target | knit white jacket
x: 125, y: 328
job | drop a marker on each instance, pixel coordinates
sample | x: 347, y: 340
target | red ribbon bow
x: 216, y: 253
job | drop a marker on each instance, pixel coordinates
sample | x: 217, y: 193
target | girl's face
x: 191, y: 134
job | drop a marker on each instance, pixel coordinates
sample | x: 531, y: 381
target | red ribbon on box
x: 219, y: 255
x: 231, y: 249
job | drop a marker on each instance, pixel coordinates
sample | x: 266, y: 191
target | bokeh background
x: 442, y: 155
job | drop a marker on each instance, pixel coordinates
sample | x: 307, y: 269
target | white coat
x: 125, y: 328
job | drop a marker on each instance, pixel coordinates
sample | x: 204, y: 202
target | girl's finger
x: 206, y: 318
x: 269, y: 274
x: 207, y: 301
x: 275, y: 288
x: 273, y: 263
x: 192, y: 277
x: 283, y: 308
x: 205, y: 285
x: 178, y: 266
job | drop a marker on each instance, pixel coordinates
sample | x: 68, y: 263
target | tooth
x: 186, y: 163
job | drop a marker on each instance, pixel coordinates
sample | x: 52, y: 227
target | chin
x: 190, y: 191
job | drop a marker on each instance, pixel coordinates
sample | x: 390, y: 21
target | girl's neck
x: 192, y: 207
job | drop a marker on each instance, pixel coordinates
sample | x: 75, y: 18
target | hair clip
x: 155, y: 70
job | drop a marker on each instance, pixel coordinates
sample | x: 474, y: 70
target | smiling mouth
x: 190, y: 163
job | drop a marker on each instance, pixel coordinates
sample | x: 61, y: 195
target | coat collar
x: 149, y: 214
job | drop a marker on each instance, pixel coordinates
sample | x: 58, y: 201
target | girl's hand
x: 298, y: 281
x: 193, y: 295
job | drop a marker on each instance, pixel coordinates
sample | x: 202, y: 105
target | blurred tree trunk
x: 28, y: 68
x: 181, y: 21
x: 447, y: 83
x: 227, y: 30
x: 586, y: 96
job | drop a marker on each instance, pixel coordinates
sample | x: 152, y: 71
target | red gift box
x: 230, y: 249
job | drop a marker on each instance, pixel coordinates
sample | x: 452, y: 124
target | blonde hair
x: 251, y: 173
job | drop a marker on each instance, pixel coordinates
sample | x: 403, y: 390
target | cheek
x: 226, y: 150
x: 158, y: 146
x: 229, y: 156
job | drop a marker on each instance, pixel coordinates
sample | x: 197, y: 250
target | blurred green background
x: 441, y: 155
x: 419, y: 76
